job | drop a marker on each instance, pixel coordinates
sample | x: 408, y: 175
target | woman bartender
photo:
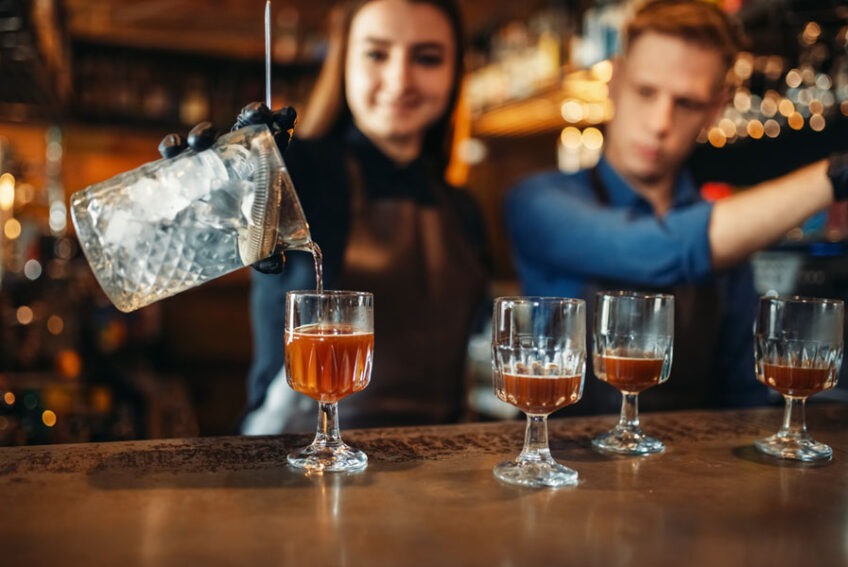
x: 369, y: 164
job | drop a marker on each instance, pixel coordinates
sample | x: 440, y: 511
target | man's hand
x: 281, y: 123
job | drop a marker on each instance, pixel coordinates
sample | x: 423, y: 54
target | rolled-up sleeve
x: 556, y: 229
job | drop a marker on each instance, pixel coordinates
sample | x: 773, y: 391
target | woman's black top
x: 321, y: 175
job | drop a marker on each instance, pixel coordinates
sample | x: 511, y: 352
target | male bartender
x: 636, y: 221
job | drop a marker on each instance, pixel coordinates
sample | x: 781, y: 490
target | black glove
x: 281, y: 123
x: 837, y: 171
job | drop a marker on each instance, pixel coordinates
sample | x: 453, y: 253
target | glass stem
x: 629, y: 412
x: 328, y: 425
x: 536, y: 440
x: 794, y: 418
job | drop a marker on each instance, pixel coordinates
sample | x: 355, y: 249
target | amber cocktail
x: 329, y: 345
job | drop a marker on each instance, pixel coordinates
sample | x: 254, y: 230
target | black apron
x: 427, y: 284
x: 697, y: 324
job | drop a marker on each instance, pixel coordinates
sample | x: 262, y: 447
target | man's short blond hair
x: 694, y: 21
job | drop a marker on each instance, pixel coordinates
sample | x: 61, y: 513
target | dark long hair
x: 327, y: 110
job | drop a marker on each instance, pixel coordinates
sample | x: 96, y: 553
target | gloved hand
x: 281, y: 123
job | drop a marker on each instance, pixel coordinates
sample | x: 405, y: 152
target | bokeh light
x: 716, y: 137
x: 12, y: 229
x: 49, y: 418
x: 771, y: 128
x: 786, y: 107
x: 755, y: 129
x: 32, y: 269
x: 572, y: 111
x: 55, y: 325
x: 24, y: 315
x: 571, y: 137
x: 592, y: 138
x: 7, y: 191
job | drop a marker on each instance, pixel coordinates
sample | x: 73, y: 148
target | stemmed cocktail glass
x: 798, y: 352
x: 632, y: 350
x: 539, y: 363
x: 329, y: 345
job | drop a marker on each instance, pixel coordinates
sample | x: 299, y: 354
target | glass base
x: 627, y: 442
x: 535, y: 474
x: 795, y: 447
x: 320, y: 458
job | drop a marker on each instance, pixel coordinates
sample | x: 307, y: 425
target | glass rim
x: 328, y: 293
x: 539, y: 299
x: 629, y: 294
x: 802, y: 300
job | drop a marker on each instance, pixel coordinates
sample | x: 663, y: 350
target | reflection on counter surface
x: 87, y: 90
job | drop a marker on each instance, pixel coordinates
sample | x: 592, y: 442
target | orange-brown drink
x: 796, y: 381
x: 540, y: 395
x: 328, y: 362
x: 629, y: 374
x: 798, y: 346
x: 631, y: 351
x: 329, y: 346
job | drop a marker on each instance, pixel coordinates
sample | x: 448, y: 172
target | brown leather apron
x: 697, y: 323
x: 427, y: 284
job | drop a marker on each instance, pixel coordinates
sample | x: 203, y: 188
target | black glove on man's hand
x: 281, y: 123
x: 837, y: 171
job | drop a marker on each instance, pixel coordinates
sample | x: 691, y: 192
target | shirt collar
x: 622, y: 195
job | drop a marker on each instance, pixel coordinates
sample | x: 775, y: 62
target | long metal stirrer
x: 268, y: 53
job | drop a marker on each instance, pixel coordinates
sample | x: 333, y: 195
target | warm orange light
x: 816, y: 106
x: 817, y: 122
x: 9, y: 398
x: 603, y: 70
x: 594, y: 112
x: 716, y: 137
x: 572, y: 111
x: 793, y: 78
x: 55, y: 325
x: 24, y: 315
x: 7, y: 191
x: 755, y: 129
x: 49, y: 418
x: 570, y: 137
x: 101, y: 400
x: 69, y: 363
x: 796, y: 121
x: 812, y: 31
x: 592, y: 138
x: 786, y: 107
x: 742, y: 100
x: 843, y: 106
x: 727, y: 127
x: 12, y: 229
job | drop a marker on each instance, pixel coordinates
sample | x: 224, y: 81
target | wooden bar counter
x: 429, y: 498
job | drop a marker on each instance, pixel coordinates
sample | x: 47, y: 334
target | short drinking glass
x: 539, y: 362
x: 631, y: 351
x: 798, y: 352
x: 329, y: 345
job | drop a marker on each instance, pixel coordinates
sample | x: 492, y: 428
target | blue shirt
x: 563, y: 239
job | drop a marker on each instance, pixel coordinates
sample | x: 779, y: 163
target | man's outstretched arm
x: 753, y: 219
